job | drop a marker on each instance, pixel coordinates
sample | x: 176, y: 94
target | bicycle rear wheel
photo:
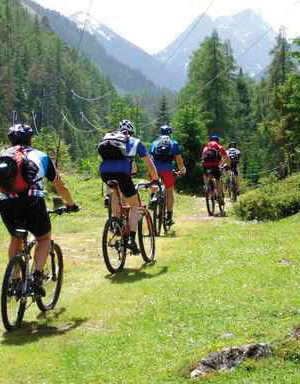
x: 113, y: 246
x: 146, y: 237
x: 13, y: 304
x: 52, y: 279
x: 210, y: 198
x: 233, y: 189
x: 221, y: 203
x: 158, y: 216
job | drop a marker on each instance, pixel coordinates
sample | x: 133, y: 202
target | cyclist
x: 164, y: 151
x: 213, y: 157
x: 121, y: 170
x: 234, y: 155
x: 27, y: 209
x: 126, y: 127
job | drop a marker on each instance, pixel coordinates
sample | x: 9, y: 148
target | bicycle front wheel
x: 146, y: 237
x: 13, y: 304
x: 52, y: 279
x: 113, y: 246
x: 210, y: 199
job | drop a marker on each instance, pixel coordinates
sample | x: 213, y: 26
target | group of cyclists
x: 27, y: 206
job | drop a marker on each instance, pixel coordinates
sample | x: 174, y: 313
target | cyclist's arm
x: 152, y: 169
x: 63, y: 191
x: 180, y: 165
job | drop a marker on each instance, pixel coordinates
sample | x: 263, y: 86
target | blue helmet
x: 20, y: 134
x: 166, y: 129
x: 126, y: 126
x: 214, y: 137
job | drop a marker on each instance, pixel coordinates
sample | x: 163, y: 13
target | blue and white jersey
x: 46, y: 169
x: 133, y: 147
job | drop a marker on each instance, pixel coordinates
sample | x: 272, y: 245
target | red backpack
x: 17, y: 172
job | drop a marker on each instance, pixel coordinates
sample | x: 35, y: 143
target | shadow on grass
x: 130, y: 275
x: 31, y: 332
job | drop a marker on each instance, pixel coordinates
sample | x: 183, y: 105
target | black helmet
x: 166, y: 129
x: 20, y: 134
x: 126, y: 126
x: 214, y: 137
x: 232, y: 144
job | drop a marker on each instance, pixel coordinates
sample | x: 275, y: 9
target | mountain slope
x: 124, y: 77
x: 128, y: 53
x: 250, y: 37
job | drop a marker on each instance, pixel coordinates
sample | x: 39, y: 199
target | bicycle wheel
x: 221, y: 203
x: 52, y: 279
x: 113, y: 246
x: 233, y: 188
x: 158, y: 216
x: 210, y: 198
x: 146, y: 237
x: 13, y: 304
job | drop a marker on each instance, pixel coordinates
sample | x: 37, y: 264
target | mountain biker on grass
x: 213, y: 157
x: 164, y: 151
x: 116, y: 149
x: 22, y: 203
x: 234, y: 155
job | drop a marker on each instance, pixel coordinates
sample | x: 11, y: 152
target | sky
x: 153, y: 24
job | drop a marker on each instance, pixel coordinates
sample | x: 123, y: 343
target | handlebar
x: 152, y: 183
x: 62, y: 210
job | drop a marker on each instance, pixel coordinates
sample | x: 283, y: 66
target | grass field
x: 217, y: 282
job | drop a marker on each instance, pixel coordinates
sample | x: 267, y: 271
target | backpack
x: 210, y: 155
x: 113, y: 146
x: 17, y: 172
x: 234, y: 155
x: 162, y: 149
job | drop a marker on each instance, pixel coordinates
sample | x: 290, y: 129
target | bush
x: 273, y: 201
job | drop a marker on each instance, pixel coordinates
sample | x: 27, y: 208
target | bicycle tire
x: 210, y: 198
x: 222, y: 206
x: 233, y: 188
x: 15, y: 297
x: 146, y: 231
x: 113, y: 241
x: 52, y: 279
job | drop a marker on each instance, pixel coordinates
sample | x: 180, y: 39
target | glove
x: 73, y: 208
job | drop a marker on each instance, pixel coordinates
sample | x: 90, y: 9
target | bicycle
x: 160, y: 210
x: 17, y: 282
x: 116, y: 232
x: 211, y: 194
x: 232, y: 187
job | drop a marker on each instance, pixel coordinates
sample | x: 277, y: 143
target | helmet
x: 166, y: 129
x: 214, y: 137
x: 126, y: 125
x: 232, y: 144
x: 20, y: 134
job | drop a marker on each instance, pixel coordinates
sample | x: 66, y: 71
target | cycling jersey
x: 220, y: 151
x: 46, y: 169
x: 234, y: 154
x: 163, y: 166
x: 133, y: 147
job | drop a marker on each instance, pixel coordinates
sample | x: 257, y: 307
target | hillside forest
x: 71, y: 102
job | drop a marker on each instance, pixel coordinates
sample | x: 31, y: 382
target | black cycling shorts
x: 28, y: 213
x: 125, y: 182
x: 214, y: 171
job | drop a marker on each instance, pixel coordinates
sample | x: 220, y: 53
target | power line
x: 83, y: 29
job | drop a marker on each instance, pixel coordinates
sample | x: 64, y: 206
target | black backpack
x: 113, y: 146
x: 17, y: 172
x: 162, y: 149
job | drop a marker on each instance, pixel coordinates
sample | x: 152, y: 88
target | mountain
x: 123, y: 76
x: 128, y: 53
x: 250, y: 37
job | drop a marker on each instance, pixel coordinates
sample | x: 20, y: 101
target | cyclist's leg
x: 131, y: 198
x: 169, y: 182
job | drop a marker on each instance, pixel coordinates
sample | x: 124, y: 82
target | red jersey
x: 212, y: 154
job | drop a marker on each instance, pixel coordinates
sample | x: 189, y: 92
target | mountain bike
x: 116, y: 232
x: 232, y: 187
x: 211, y: 195
x: 159, y: 208
x: 17, y: 286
